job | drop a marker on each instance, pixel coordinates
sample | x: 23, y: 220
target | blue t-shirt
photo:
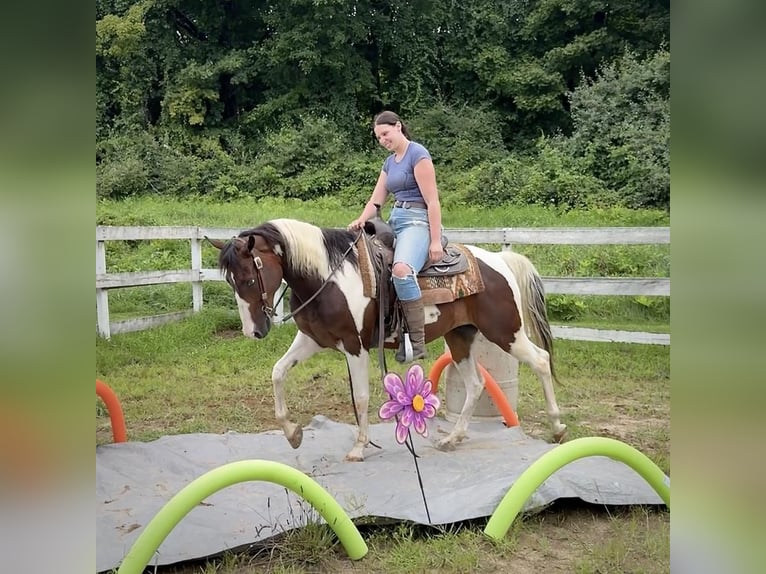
x: 400, y: 176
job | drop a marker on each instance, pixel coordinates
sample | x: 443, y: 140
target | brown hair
x: 390, y: 118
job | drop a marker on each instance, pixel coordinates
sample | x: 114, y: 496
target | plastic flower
x: 412, y: 400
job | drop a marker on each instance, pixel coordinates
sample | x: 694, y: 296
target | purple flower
x: 411, y: 400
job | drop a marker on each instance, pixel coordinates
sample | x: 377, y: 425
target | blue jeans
x: 413, y: 238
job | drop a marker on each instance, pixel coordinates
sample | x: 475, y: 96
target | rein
x: 270, y: 310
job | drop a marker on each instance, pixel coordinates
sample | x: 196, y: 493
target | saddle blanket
x: 435, y: 289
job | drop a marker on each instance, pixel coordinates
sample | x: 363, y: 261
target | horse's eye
x: 250, y: 283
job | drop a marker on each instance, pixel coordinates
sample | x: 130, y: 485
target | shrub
x: 622, y: 128
x: 463, y: 137
x: 304, y: 161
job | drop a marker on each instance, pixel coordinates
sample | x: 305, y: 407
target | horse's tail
x: 532, y: 304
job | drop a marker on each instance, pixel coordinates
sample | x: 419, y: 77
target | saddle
x: 456, y: 275
x: 453, y: 261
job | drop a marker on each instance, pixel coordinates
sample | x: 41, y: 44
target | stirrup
x: 409, y: 352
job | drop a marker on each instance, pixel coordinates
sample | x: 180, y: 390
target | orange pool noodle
x: 493, y: 389
x: 115, y: 411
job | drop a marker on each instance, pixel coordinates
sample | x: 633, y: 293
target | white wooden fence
x: 507, y: 237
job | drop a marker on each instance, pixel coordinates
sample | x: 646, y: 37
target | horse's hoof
x: 296, y: 438
x: 560, y: 433
x: 354, y: 457
x: 445, y: 445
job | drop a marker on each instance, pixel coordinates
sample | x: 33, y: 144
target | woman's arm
x: 425, y: 175
x: 378, y: 196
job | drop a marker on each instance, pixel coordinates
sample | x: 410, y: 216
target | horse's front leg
x: 301, y: 349
x: 358, y: 367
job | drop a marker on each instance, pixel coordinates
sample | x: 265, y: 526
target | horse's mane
x: 306, y: 249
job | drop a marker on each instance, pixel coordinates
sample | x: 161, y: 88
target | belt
x: 410, y: 204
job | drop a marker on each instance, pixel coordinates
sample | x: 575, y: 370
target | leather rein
x: 269, y: 310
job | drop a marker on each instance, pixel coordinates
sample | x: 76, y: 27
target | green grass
x: 329, y: 211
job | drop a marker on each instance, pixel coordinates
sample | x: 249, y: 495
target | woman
x: 408, y: 174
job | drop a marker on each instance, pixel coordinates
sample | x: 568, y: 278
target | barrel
x: 504, y: 369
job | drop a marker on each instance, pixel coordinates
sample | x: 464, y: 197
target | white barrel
x: 504, y: 370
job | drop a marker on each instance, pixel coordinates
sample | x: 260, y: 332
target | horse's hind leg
x: 301, y: 349
x: 539, y: 361
x: 460, y: 342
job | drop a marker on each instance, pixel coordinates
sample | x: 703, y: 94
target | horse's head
x: 254, y: 271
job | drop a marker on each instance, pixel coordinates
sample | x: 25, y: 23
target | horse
x: 331, y: 311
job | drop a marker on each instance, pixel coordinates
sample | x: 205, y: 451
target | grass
x: 202, y: 375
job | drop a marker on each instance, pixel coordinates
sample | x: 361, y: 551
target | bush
x: 551, y: 178
x: 460, y: 138
x: 304, y: 161
x: 121, y: 178
x: 622, y: 128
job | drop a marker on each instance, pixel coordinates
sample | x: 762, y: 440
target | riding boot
x: 415, y: 318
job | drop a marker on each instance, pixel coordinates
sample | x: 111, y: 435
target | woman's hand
x: 435, y: 251
x: 356, y: 225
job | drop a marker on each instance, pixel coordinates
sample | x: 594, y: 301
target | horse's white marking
x: 301, y: 349
x: 248, y: 326
x: 495, y: 261
x: 307, y: 254
x: 432, y: 313
x: 349, y: 281
x: 468, y: 370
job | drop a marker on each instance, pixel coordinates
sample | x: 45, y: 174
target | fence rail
x: 506, y: 237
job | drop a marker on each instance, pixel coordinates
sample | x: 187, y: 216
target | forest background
x: 548, y: 102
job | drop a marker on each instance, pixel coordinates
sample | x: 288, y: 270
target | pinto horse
x: 321, y: 267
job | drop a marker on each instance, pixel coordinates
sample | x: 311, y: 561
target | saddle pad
x: 435, y: 290
x: 367, y: 269
x: 438, y: 290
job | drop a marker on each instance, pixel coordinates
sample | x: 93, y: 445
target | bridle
x: 265, y: 307
x: 269, y: 310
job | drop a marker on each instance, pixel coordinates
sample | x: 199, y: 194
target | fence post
x: 196, y: 265
x: 507, y: 245
x: 102, y: 295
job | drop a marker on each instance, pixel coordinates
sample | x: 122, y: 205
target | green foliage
x: 622, y: 128
x: 310, y: 160
x: 234, y: 100
x: 565, y: 307
x: 551, y: 178
x: 181, y: 166
x: 460, y: 138
x: 193, y: 97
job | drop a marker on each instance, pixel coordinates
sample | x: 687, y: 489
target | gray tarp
x: 134, y: 480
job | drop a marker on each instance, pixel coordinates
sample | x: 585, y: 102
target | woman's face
x: 389, y: 136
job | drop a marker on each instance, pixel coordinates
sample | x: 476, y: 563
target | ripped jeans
x: 413, y: 239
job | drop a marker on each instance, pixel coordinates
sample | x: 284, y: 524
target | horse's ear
x: 217, y: 243
x: 250, y: 242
